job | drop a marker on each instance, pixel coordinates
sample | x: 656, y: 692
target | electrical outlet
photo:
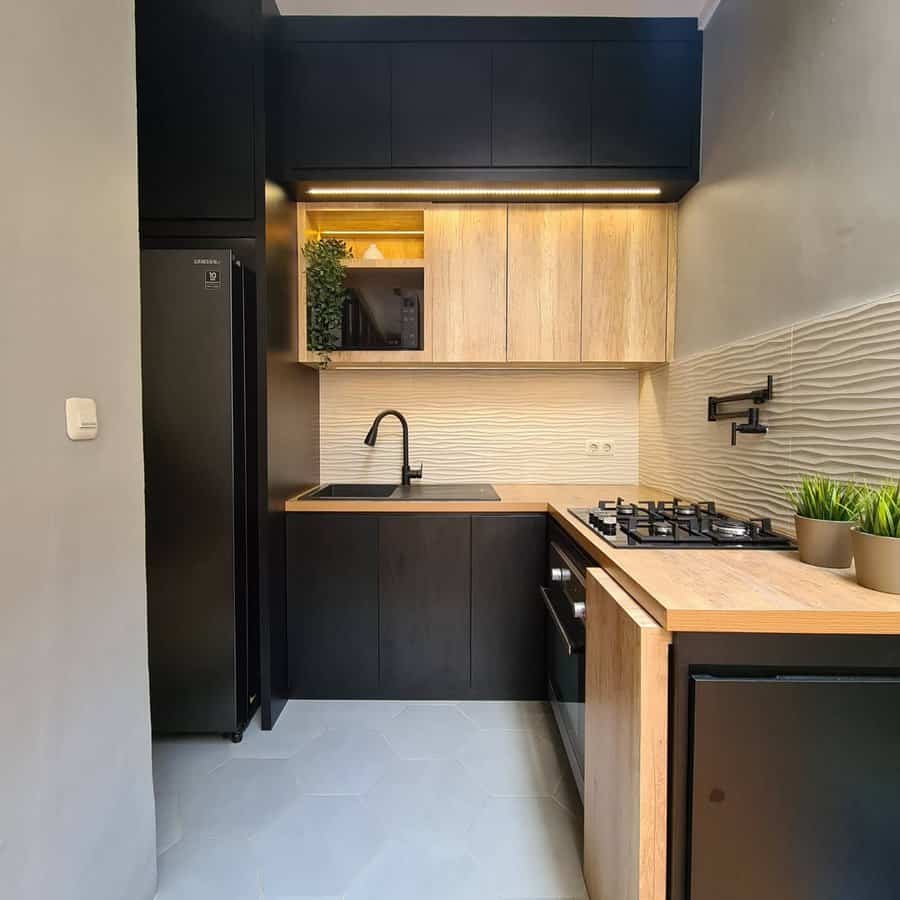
x: 599, y: 447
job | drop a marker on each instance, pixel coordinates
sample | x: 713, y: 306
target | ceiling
x: 699, y: 8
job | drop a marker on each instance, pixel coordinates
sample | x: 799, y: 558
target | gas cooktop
x: 670, y: 524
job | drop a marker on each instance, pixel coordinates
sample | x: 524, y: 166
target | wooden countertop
x: 686, y: 590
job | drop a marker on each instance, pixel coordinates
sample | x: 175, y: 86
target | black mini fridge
x: 198, y: 346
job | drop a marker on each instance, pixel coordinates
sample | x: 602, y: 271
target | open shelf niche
x: 398, y: 230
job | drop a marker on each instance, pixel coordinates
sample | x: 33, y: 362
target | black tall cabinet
x: 201, y: 92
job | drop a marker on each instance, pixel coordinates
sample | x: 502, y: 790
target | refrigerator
x: 201, y: 421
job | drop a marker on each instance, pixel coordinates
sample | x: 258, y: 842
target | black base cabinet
x: 415, y: 607
x: 785, y: 767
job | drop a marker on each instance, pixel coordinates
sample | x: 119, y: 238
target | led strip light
x: 483, y: 192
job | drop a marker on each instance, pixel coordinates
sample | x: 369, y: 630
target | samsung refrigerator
x: 201, y: 421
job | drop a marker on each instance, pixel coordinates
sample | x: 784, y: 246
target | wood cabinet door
x: 544, y: 283
x: 661, y: 80
x: 465, y: 277
x: 626, y: 746
x: 542, y: 104
x: 338, y: 102
x: 440, y: 104
x: 508, y: 553
x: 625, y: 285
x: 424, y: 594
x: 332, y: 605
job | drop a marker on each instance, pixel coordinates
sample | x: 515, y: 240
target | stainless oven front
x: 564, y: 599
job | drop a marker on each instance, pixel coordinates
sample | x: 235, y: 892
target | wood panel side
x: 465, y: 281
x: 625, y: 287
x: 544, y: 283
x: 671, y: 282
x: 626, y: 734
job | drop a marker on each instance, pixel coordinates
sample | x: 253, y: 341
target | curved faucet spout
x: 372, y: 437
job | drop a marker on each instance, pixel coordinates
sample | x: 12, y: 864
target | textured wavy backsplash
x: 836, y: 411
x: 499, y: 426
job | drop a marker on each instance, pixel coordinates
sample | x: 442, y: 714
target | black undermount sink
x: 448, y: 492
x: 353, y: 492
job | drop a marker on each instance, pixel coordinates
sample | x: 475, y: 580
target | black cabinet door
x: 425, y: 585
x: 796, y: 789
x: 337, y: 112
x: 645, y: 103
x: 195, y: 108
x: 441, y: 104
x: 332, y: 598
x: 508, y: 554
x: 542, y: 104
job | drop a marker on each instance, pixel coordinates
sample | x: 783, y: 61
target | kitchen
x: 519, y: 409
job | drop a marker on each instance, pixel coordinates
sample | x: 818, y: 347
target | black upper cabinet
x: 337, y: 105
x: 195, y: 65
x: 440, y: 105
x: 542, y: 104
x: 645, y: 103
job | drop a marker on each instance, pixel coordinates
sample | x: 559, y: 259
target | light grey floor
x: 365, y: 800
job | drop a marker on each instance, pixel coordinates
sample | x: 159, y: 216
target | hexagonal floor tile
x: 342, y: 762
x: 239, y: 797
x: 514, y: 763
x: 315, y: 847
x: 523, y: 715
x: 528, y: 848
x: 428, y: 732
x: 426, y: 796
x: 202, y: 868
x: 168, y: 821
x: 350, y: 713
x: 296, y: 727
x: 416, y: 867
x: 179, y: 759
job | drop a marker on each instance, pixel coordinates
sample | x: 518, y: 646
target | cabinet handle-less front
x: 573, y: 644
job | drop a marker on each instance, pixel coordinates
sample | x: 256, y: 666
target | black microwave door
x: 383, y: 309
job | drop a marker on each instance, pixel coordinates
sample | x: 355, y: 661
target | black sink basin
x: 353, y: 492
x: 447, y: 492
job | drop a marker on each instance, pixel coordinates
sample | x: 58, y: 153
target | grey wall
x: 76, y: 799
x: 798, y: 209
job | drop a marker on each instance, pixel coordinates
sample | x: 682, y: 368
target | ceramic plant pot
x: 877, y: 561
x: 823, y: 542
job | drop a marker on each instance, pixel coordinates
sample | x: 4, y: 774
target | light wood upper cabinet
x: 465, y: 279
x: 625, y: 286
x: 626, y: 746
x: 544, y: 273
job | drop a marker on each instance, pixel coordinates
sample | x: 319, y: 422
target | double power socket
x: 599, y: 447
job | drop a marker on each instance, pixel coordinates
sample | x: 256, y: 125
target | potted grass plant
x: 824, y: 512
x: 876, y: 539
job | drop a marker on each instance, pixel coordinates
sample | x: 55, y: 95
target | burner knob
x: 608, y: 526
x: 560, y: 576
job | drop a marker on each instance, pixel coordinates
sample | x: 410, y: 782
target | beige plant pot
x: 823, y: 542
x: 877, y: 561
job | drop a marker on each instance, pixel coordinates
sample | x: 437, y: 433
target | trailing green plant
x: 325, y: 295
x: 819, y: 497
x: 880, y: 511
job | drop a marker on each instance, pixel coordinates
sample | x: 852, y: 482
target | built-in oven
x: 564, y: 599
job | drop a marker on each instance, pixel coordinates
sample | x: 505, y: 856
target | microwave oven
x: 383, y: 310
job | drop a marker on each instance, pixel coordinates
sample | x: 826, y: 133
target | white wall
x: 492, y: 8
x: 797, y: 210
x: 513, y: 426
x: 76, y: 800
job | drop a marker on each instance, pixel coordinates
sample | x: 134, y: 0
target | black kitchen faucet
x: 372, y: 436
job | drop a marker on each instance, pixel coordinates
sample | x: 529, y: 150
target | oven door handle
x: 574, y: 644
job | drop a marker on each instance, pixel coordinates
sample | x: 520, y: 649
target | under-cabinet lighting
x: 351, y: 231
x: 483, y: 192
